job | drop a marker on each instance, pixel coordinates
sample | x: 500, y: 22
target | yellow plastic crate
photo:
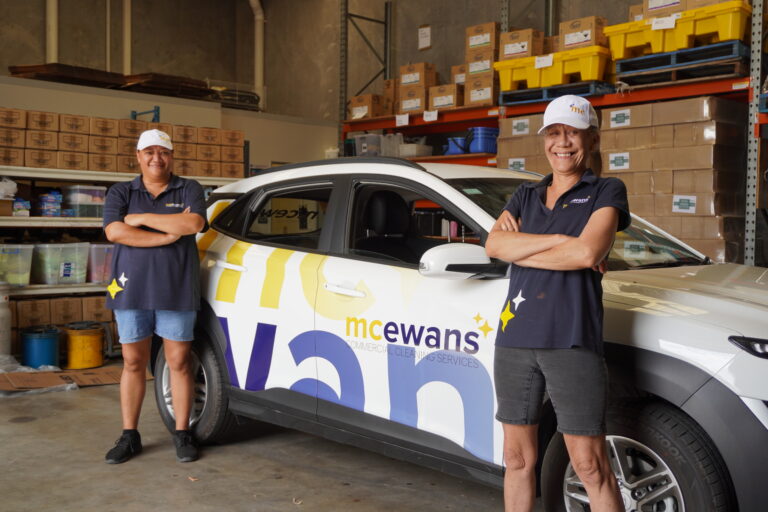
x: 717, y: 23
x: 589, y: 63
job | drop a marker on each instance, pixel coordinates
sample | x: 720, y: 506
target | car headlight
x: 755, y: 346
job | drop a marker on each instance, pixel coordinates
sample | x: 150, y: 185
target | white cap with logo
x: 154, y: 138
x: 570, y: 110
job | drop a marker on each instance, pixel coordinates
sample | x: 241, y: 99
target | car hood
x: 727, y: 295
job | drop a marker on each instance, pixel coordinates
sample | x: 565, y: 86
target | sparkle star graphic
x: 123, y: 279
x: 506, y: 316
x: 113, y: 288
x: 517, y: 300
x: 477, y: 318
x: 485, y: 328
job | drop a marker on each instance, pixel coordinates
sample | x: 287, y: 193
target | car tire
x: 654, y: 439
x: 210, y: 419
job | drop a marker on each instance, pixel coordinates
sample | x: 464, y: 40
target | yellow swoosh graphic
x: 230, y: 279
x: 273, y: 281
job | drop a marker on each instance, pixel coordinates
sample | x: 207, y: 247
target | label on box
x: 635, y: 250
x: 574, y: 38
x: 359, y: 112
x: 479, y: 40
x: 543, y: 61
x: 430, y: 115
x: 480, y: 94
x: 460, y: 78
x: 443, y: 101
x: 664, y: 23
x: 401, y: 120
x: 516, y: 164
x: 618, y: 161
x: 521, y: 127
x: 410, y: 78
x: 621, y: 118
x: 684, y: 204
x: 515, y: 48
x: 413, y: 104
x: 480, y: 66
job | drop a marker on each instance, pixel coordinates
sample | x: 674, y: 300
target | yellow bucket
x: 85, y: 342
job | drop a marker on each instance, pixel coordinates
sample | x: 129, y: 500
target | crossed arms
x: 171, y: 227
x: 554, y: 252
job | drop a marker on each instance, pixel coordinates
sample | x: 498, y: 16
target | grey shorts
x: 576, y: 380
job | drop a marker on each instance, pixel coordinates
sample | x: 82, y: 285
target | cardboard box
x: 641, y: 204
x: 185, y: 151
x: 74, y: 124
x: 33, y: 312
x: 697, y: 204
x: 163, y: 127
x: 13, y: 118
x: 232, y: 170
x: 187, y: 134
x: 202, y: 168
x: 672, y: 225
x: 365, y: 106
x: 413, y: 99
x: 698, y: 157
x: 646, y: 182
x: 528, y: 145
x: 721, y: 228
x: 65, y: 310
x: 38, y: 139
x: 209, y: 136
x: 421, y: 74
x: 719, y: 250
x: 209, y: 153
x: 695, y: 4
x: 633, y: 116
x: 72, y: 160
x: 12, y: 138
x: 583, y: 32
x: 636, y: 12
x: 526, y: 163
x: 521, y: 43
x: 237, y: 137
x: 551, y: 44
x: 481, y: 89
x: 40, y: 158
x: 12, y: 156
x: 131, y: 127
x: 459, y: 74
x: 708, y: 181
x: 520, y: 126
x: 647, y: 137
x: 632, y: 160
x: 48, y: 121
x: 130, y: 164
x: 480, y: 61
x: 701, y: 108
x: 708, y: 132
x: 660, y: 8
x: 102, y: 163
x: 104, y: 127
x: 483, y: 35
x: 102, y: 145
x: 127, y: 146
x: 182, y: 167
x: 232, y: 154
x: 446, y: 96
x: 73, y: 142
x: 95, y: 309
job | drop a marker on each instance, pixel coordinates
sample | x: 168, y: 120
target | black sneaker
x: 186, y: 449
x: 126, y: 447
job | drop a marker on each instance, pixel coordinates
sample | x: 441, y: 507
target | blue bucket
x: 41, y: 346
x: 482, y: 139
x: 455, y: 146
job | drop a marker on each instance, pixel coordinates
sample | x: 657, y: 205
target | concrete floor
x: 52, y: 450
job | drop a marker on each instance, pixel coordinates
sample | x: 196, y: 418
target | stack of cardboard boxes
x: 481, y: 45
x: 413, y: 87
x: 683, y: 163
x: 202, y: 151
x: 519, y: 145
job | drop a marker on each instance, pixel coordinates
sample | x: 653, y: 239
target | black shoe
x: 126, y: 447
x: 186, y: 449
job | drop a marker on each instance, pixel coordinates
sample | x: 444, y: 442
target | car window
x: 397, y: 224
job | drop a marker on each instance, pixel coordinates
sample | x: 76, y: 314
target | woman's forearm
x: 122, y: 233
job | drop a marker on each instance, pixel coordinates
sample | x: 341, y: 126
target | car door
x: 259, y: 282
x: 403, y: 354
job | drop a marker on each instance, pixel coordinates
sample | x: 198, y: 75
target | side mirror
x: 459, y: 261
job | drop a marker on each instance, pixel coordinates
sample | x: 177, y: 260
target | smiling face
x: 567, y: 148
x: 155, y: 161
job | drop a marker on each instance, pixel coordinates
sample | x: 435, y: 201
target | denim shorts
x: 137, y: 324
x: 576, y: 380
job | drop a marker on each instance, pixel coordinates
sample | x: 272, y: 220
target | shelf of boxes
x: 56, y: 289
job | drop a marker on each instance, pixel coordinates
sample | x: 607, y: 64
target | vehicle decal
x: 274, y: 277
x: 207, y: 238
x: 230, y: 279
x: 228, y: 357
x: 261, y: 357
x: 327, y: 303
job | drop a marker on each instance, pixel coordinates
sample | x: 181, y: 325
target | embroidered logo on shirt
x: 580, y: 200
x: 174, y: 205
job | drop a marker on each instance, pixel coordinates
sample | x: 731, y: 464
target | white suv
x: 353, y: 299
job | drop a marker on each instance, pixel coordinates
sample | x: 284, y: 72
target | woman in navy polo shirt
x: 556, y: 234
x: 155, y: 286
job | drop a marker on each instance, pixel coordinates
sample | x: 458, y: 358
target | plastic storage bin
x: 100, y: 262
x: 60, y: 263
x: 368, y: 144
x: 588, y: 63
x: 482, y: 139
x: 84, y: 194
x: 15, y: 263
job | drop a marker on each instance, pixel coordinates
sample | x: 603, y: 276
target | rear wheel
x: 662, y: 460
x: 210, y: 419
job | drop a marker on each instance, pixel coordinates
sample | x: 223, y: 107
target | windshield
x: 641, y: 245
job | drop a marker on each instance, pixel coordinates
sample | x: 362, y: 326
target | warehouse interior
x: 274, y: 82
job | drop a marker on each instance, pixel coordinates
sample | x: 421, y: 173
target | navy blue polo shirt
x: 551, y: 308
x: 165, y: 277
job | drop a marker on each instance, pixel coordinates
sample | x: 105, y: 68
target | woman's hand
x: 506, y: 222
x: 134, y: 220
x: 601, y: 267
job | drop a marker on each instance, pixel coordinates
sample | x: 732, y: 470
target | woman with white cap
x: 556, y: 234
x: 155, y: 287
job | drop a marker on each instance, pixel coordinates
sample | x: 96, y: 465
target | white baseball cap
x: 570, y: 110
x: 154, y: 138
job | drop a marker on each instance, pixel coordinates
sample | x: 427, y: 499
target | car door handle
x: 343, y: 291
x: 230, y: 266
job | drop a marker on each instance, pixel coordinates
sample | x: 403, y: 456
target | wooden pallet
x: 685, y: 74
x: 690, y: 56
x: 65, y: 73
x: 594, y: 88
x: 168, y: 85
